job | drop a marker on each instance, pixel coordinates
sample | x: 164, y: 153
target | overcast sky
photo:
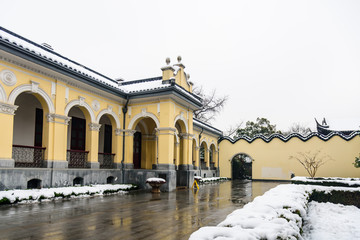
x: 288, y: 61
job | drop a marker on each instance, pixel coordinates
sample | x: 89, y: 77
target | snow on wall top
x: 283, y: 138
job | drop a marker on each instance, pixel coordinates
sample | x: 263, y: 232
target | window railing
x: 106, y: 160
x: 77, y: 158
x: 28, y: 156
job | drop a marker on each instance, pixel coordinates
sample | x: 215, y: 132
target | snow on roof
x: 47, y: 54
x: 143, y: 85
x: 205, y: 126
x: 176, y: 69
x: 51, y: 56
x: 341, y: 123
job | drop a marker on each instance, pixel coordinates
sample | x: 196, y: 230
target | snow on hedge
x: 348, y: 181
x: 278, y: 214
x: 212, y: 179
x: 31, y: 195
x: 332, y: 221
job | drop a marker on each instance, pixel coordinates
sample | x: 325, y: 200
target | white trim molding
x: 34, y: 87
x: 181, y: 117
x: 8, y: 77
x: 204, y: 140
x: 80, y: 102
x: 143, y: 114
x: 8, y: 108
x: 94, y: 126
x: 109, y: 112
x: 2, y: 94
x: 63, y: 119
x: 128, y: 132
x: 118, y: 132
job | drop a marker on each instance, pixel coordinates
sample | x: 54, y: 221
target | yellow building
x: 63, y: 123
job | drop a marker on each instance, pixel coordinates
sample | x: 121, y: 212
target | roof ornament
x: 324, y: 122
x: 188, y: 76
x: 119, y: 81
x: 47, y: 46
x: 179, y: 59
x: 167, y: 61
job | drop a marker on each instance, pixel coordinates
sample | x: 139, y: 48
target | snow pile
x: 155, y: 180
x: 277, y: 214
x: 280, y: 214
x: 15, y: 196
x: 213, y: 179
x: 345, y: 181
x: 332, y: 221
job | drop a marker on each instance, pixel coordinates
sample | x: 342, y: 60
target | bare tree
x: 298, y: 128
x: 231, y: 131
x: 212, y: 105
x: 311, y: 161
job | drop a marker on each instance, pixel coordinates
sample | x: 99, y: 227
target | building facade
x: 64, y: 124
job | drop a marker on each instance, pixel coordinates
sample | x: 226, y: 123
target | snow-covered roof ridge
x: 206, y: 126
x: 53, y: 57
x: 296, y: 135
x: 143, y: 85
x: 141, y: 80
x: 12, y: 42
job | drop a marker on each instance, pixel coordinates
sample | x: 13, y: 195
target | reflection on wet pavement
x: 138, y: 215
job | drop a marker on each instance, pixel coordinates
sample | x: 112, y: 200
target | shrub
x: 337, y: 196
x: 4, y: 200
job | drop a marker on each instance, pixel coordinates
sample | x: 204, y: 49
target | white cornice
x: 25, y: 64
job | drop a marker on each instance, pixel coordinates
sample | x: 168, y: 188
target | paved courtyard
x: 138, y: 215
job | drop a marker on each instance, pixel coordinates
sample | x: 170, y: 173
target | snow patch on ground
x: 34, y: 195
x: 332, y: 221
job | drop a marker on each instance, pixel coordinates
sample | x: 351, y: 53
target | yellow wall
x: 271, y: 160
x: 59, y: 94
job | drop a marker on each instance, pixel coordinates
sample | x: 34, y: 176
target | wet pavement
x: 137, y: 215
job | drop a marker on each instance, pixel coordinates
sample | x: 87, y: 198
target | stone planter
x: 155, y: 183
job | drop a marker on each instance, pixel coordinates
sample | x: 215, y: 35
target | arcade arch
x: 30, y: 130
